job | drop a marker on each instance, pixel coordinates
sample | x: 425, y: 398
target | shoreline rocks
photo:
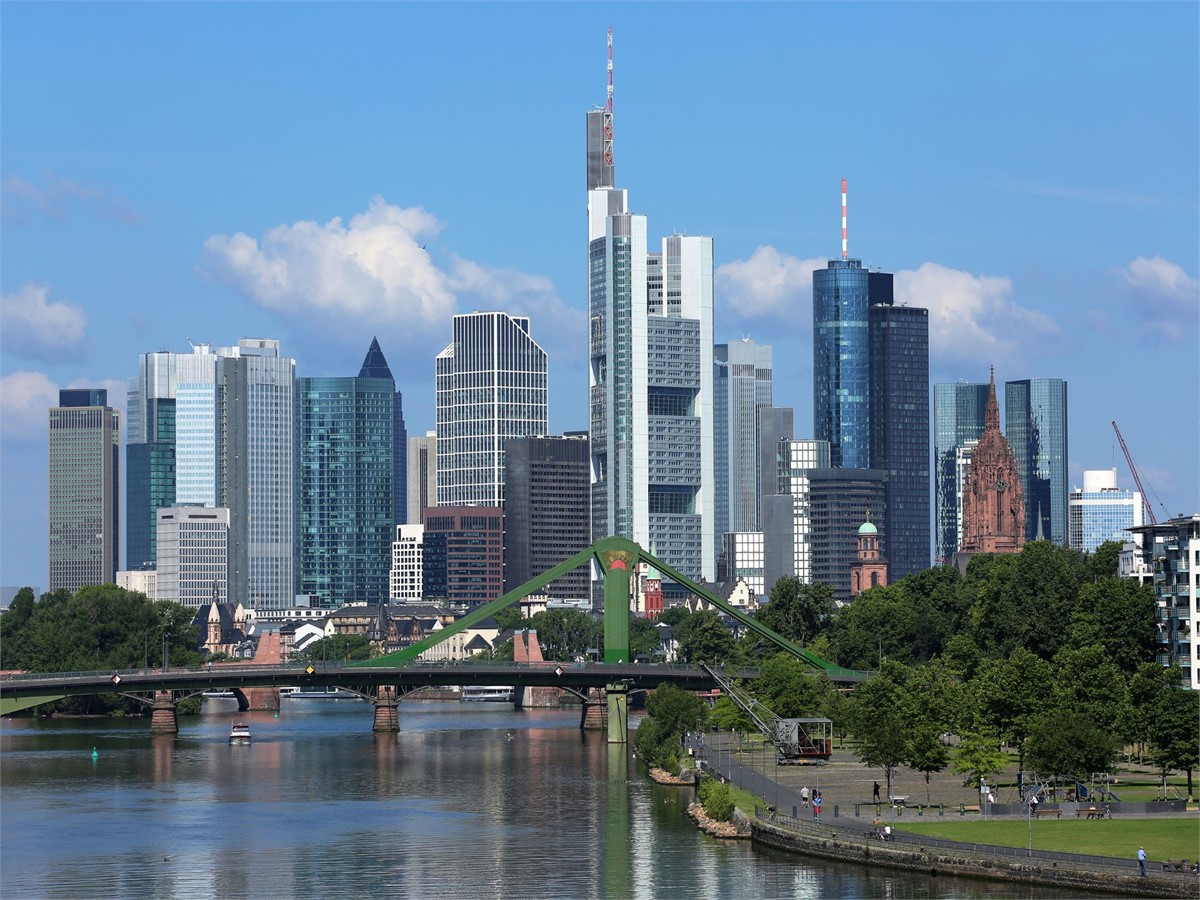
x: 727, y: 830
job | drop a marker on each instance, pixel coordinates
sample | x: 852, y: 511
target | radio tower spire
x: 608, y: 109
x: 845, y: 252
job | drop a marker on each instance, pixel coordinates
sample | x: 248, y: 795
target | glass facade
x: 346, y: 488
x: 958, y: 413
x: 491, y: 386
x: 196, y: 426
x: 1100, y: 511
x: 900, y: 426
x: 149, y: 454
x: 193, y: 559
x: 748, y: 372
x: 1035, y: 420
x: 840, y: 500
x: 841, y: 362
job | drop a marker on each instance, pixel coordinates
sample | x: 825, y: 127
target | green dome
x: 867, y: 528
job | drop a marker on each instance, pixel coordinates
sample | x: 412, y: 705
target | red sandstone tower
x: 992, y: 499
x: 870, y: 570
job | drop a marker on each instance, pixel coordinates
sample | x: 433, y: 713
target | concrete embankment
x: 845, y: 845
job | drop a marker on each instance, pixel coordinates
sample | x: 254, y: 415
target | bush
x: 717, y: 800
x: 655, y: 745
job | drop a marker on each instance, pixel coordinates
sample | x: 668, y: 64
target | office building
x: 257, y: 471
x: 743, y: 383
x: 347, y: 471
x: 491, y: 386
x: 84, y: 490
x: 144, y: 581
x: 547, y: 511
x: 1035, y: 423
x: 1170, y: 552
x: 776, y: 425
x: 197, y: 425
x: 650, y: 376
x: 422, y: 475
x: 840, y: 500
x: 149, y: 454
x: 958, y: 414
x: 899, y: 343
x: 193, y: 555
x: 406, y: 579
x: 1100, y: 511
x: 842, y: 363
x: 743, y: 552
x: 375, y: 366
x: 463, y: 555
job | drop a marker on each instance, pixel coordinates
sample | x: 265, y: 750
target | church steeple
x: 991, y: 418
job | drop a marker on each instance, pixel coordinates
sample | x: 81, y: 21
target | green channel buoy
x: 95, y: 753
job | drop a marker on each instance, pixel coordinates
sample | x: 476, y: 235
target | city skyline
x: 244, y: 192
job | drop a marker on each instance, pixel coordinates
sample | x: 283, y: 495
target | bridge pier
x: 163, y: 719
x: 594, y: 713
x: 618, y: 714
x: 387, y: 713
x: 265, y: 698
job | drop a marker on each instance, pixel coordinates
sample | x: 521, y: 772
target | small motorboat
x: 239, y: 734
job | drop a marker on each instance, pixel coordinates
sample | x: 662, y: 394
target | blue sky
x: 323, y: 174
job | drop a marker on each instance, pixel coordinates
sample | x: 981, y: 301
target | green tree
x: 1070, y: 743
x: 1088, y: 682
x: 879, y: 722
x: 1174, y: 731
x: 337, y: 648
x: 1008, y: 694
x: 1117, y: 614
x: 566, y: 634
x: 786, y: 686
x: 926, y: 753
x: 1104, y: 561
x: 703, y: 638
x: 643, y: 637
x: 677, y: 711
x: 717, y: 800
x: 510, y: 617
x: 797, y: 611
x: 726, y: 715
x: 978, y: 756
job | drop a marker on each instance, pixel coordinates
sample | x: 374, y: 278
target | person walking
x: 875, y: 793
x: 804, y: 795
x: 817, y: 805
x: 1142, y: 860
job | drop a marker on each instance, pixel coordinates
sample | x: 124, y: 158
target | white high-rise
x: 651, y: 376
x: 193, y: 555
x: 1100, y: 511
x: 491, y: 386
x: 406, y: 579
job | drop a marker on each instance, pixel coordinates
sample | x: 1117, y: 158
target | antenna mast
x: 608, y: 109
x: 844, y: 251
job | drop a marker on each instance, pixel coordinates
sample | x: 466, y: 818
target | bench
x: 1090, y: 812
x: 1179, y: 865
x: 1057, y: 813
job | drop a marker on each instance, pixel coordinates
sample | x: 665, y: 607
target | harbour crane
x: 1137, y: 478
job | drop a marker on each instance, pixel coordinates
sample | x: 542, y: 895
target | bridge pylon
x: 387, y: 710
x: 163, y: 717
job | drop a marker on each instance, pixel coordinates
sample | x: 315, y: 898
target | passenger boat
x: 239, y: 734
x: 493, y: 693
x: 219, y: 695
x: 319, y: 693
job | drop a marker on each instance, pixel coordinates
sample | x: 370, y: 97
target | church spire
x: 991, y: 419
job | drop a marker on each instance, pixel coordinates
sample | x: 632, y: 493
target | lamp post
x: 166, y: 659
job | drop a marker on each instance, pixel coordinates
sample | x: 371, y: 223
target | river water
x: 469, y: 800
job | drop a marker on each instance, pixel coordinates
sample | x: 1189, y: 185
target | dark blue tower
x: 842, y: 362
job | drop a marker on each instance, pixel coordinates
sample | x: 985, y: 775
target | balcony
x: 1163, y: 659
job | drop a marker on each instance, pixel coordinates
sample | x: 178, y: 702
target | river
x: 469, y: 800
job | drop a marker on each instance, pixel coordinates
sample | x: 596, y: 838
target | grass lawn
x: 1162, y: 838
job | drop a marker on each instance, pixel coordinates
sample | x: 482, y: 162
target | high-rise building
x: 547, y: 511
x: 958, y: 413
x: 743, y: 382
x: 149, y: 454
x: 84, y: 490
x: 406, y: 579
x: 375, y: 366
x: 197, y: 425
x: 840, y: 500
x: 651, y: 376
x: 422, y: 475
x: 776, y: 426
x: 993, y: 498
x: 1170, y: 551
x: 491, y: 386
x: 842, y: 362
x: 1100, y: 511
x: 899, y: 343
x: 193, y: 554
x: 463, y: 554
x: 347, y: 496
x: 743, y: 552
x: 1035, y: 423
x: 257, y: 471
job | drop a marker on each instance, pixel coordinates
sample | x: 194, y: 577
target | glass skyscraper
x: 84, y: 490
x: 347, y: 472
x: 743, y: 379
x: 491, y: 386
x: 375, y: 366
x: 1100, y: 511
x: 149, y: 454
x: 1035, y: 423
x: 900, y: 425
x: 841, y: 362
x: 196, y: 425
x: 958, y: 413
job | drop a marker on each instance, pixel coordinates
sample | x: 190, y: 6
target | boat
x: 319, y: 693
x: 488, y: 693
x: 219, y: 695
x: 239, y: 734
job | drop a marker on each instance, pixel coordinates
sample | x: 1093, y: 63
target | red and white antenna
x: 844, y: 250
x: 608, y: 108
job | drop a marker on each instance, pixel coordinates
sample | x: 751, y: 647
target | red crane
x: 1137, y: 478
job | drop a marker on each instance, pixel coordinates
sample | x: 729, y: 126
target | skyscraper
x: 1100, y: 511
x: 197, y: 426
x: 842, y: 362
x: 491, y: 386
x: 743, y: 380
x: 546, y: 511
x: 149, y: 454
x: 463, y: 554
x: 84, y: 490
x: 422, y: 475
x: 347, y: 476
x: 840, y: 500
x: 256, y: 457
x: 651, y: 374
x: 899, y: 342
x: 375, y: 366
x: 1035, y: 423
x: 958, y: 413
x: 193, y: 554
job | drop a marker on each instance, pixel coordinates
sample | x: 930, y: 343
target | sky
x: 328, y: 173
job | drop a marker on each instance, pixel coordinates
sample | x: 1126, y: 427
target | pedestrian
x: 1142, y: 860
x: 817, y: 805
x: 804, y: 795
x: 887, y: 832
x: 875, y: 793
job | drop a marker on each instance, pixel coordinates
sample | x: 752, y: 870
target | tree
x: 1070, y: 743
x: 703, y: 638
x: 1007, y: 694
x: 671, y: 712
x: 643, y: 637
x: 1175, y: 731
x: 338, y: 647
x: 717, y: 799
x: 510, y: 617
x: 978, y: 756
x: 1117, y: 614
x: 926, y: 753
x: 786, y: 687
x: 566, y: 634
x: 797, y: 611
x: 728, y: 716
x: 879, y: 722
x: 1088, y: 682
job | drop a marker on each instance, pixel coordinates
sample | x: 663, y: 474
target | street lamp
x: 165, y: 650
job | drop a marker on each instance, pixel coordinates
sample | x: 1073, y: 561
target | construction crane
x: 796, y: 740
x: 1137, y: 478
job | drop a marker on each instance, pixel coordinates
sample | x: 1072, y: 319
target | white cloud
x: 375, y: 274
x: 1165, y: 299
x: 55, y: 197
x: 972, y: 318
x: 32, y: 326
x: 25, y: 398
x: 769, y: 284
x: 1161, y: 277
